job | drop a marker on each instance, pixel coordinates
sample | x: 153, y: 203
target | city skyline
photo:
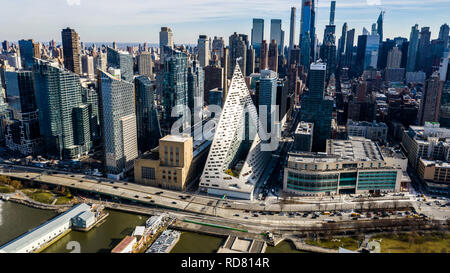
x: 141, y: 22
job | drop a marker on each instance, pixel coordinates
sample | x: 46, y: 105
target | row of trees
x: 16, y: 184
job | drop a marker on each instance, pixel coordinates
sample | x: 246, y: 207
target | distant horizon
x: 140, y: 21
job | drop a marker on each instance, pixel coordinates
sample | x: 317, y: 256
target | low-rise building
x: 125, y: 246
x: 175, y: 164
x: 371, y: 130
x: 348, y: 166
x: 435, y: 175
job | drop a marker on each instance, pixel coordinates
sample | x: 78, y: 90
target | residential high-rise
x: 264, y: 56
x: 236, y: 159
x: 119, y: 124
x: 292, y: 28
x: 27, y: 52
x: 267, y: 96
x: 145, y: 64
x: 349, y: 47
x: 166, y: 37
x: 121, y: 60
x: 394, y: 58
x: 148, y: 128
x: 218, y: 45
x: 238, y: 52
x: 203, y: 50
x: 63, y: 117
x: 380, y: 26
x: 328, y: 50
x: 22, y: 128
x: 273, y: 56
x: 276, y: 34
x: 316, y: 108
x: 213, y: 79
x: 87, y: 63
x: 424, y: 52
x: 196, y: 91
x: 444, y: 109
x: 174, y: 88
x: 412, y: 49
x: 257, y: 34
x: 341, y: 46
x: 71, y: 50
x: 308, y: 27
x: 430, y: 101
x: 444, y: 34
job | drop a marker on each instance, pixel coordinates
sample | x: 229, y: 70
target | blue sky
x: 140, y: 20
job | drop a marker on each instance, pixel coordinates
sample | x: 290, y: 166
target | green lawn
x: 351, y: 243
x: 6, y: 189
x: 414, y: 243
x: 46, y: 197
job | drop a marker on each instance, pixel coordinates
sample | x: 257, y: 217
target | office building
x: 264, y: 56
x: 257, y: 34
x: 122, y: 61
x: 412, y: 49
x: 203, y: 50
x: 118, y: 123
x: 394, y: 58
x: 213, y: 79
x: 196, y: 91
x: 316, y: 108
x: 87, y: 63
x: 292, y: 27
x: 371, y: 130
x: 166, y: 37
x: 236, y: 160
x: 348, y: 167
x: 26, y: 48
x: 71, y: 50
x: 238, y: 52
x: 277, y: 34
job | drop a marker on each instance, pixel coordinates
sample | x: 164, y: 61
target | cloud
x: 73, y: 2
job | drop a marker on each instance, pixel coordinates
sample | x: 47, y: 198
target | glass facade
x: 312, y: 183
x: 377, y: 180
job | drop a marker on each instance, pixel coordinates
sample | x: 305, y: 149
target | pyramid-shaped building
x: 236, y: 161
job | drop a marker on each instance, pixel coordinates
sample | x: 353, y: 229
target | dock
x: 235, y: 244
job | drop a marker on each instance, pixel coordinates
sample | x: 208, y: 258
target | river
x: 16, y: 219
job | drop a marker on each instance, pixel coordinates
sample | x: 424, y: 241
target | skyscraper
x: 238, y: 52
x: 349, y: 47
x: 277, y: 34
x: 264, y: 56
x: 87, y: 63
x: 148, y: 128
x: 292, y: 28
x: 412, y: 49
x: 121, y: 60
x: 443, y: 34
x: 257, y: 34
x: 166, y: 37
x: 22, y: 129
x: 63, y: 118
x: 424, y: 52
x: 119, y: 124
x: 316, y: 108
x: 27, y: 52
x: 328, y: 50
x: 380, y: 26
x: 341, y: 46
x: 394, y: 58
x: 71, y: 50
x: 273, y: 56
x: 430, y: 101
x: 203, y: 50
x: 308, y: 27
x: 145, y: 64
x: 175, y: 88
x: 267, y: 96
x: 196, y: 91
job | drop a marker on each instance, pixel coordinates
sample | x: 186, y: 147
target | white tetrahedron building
x: 236, y: 161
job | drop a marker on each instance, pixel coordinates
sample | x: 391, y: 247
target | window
x: 148, y: 173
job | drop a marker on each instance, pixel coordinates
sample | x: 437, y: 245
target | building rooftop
x: 123, y: 244
x: 304, y: 128
x: 355, y: 149
x: 176, y: 138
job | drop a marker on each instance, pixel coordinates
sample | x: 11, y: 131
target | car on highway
x: 136, y: 196
x: 174, y: 203
x: 115, y: 187
x: 236, y: 215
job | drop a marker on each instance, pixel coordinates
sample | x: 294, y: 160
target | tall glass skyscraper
x: 175, y: 87
x: 316, y: 108
x: 148, y: 128
x: 196, y: 90
x: 63, y: 118
x: 119, y: 124
x: 412, y: 49
x: 257, y: 34
x: 123, y: 61
x: 277, y: 34
x: 267, y: 95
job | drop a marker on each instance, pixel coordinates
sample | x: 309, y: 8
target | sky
x: 141, y: 20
